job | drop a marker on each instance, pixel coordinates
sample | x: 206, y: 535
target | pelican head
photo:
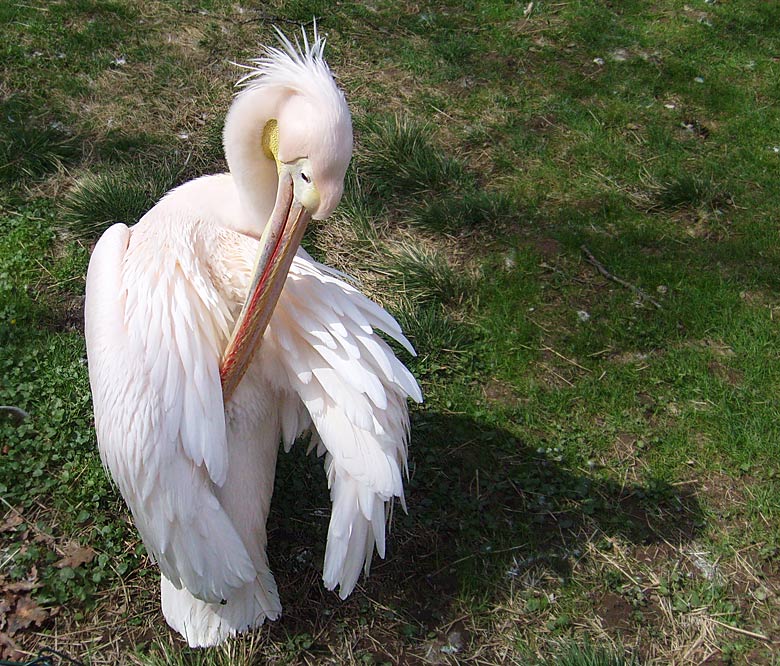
x: 288, y: 139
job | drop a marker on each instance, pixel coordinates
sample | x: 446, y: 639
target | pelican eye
x: 303, y: 182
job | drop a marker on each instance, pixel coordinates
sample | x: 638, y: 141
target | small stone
x: 510, y: 260
x: 619, y: 55
x: 583, y: 316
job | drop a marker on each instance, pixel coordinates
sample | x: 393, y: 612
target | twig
x: 568, y: 360
x: 744, y: 632
x: 561, y: 377
x: 621, y: 570
x: 602, y: 269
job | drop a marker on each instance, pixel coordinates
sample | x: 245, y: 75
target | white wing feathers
x: 154, y: 360
x: 354, y: 390
x: 155, y: 333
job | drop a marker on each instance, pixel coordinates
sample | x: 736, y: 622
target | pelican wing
x: 323, y: 338
x: 154, y: 325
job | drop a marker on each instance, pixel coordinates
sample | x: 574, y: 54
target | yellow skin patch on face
x: 305, y: 190
x: 270, y: 141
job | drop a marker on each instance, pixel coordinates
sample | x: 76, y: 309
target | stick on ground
x: 602, y: 269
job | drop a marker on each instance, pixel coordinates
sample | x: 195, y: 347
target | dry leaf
x: 27, y: 612
x: 9, y: 648
x: 29, y: 583
x: 75, y: 555
x: 5, y: 606
x: 12, y: 519
x: 20, y: 586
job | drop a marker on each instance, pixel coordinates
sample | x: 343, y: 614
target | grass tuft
x: 98, y: 201
x: 434, y: 334
x: 399, y: 156
x: 588, y: 655
x: 466, y: 212
x: 687, y: 191
x: 424, y: 275
x: 694, y: 191
x: 31, y: 147
x: 357, y: 211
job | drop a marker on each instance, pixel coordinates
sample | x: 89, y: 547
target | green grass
x: 585, y: 466
x: 95, y: 202
x: 31, y: 147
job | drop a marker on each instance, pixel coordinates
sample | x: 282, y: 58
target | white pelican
x: 175, y: 309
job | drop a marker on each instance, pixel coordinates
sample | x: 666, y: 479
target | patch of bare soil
x: 731, y: 376
x: 548, y: 248
x: 543, y: 124
x: 614, y: 611
x: 724, y: 492
x: 500, y: 392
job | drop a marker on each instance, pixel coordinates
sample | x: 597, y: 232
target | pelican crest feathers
x: 299, y: 66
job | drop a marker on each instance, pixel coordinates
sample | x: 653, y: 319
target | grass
x: 95, y: 202
x: 593, y: 480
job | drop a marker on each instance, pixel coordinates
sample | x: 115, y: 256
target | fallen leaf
x: 9, y: 648
x: 12, y: 519
x: 75, y: 556
x: 27, y: 612
x: 29, y: 583
x: 5, y: 606
x: 20, y: 586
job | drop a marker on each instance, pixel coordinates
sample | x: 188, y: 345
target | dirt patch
x: 723, y: 492
x: 718, y: 348
x: 544, y: 124
x: 731, y: 376
x: 625, y: 441
x: 655, y: 553
x: 548, y: 248
x: 70, y: 316
x: 614, y: 611
x: 555, y: 378
x: 624, y: 358
x: 500, y: 392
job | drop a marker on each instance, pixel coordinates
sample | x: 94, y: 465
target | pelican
x: 213, y: 338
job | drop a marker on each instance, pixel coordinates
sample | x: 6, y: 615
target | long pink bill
x: 278, y: 245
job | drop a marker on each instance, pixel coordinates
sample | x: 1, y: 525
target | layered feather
x: 153, y: 363
x: 324, y: 341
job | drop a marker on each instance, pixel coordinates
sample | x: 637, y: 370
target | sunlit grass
x: 96, y: 202
x: 401, y: 157
x: 424, y: 274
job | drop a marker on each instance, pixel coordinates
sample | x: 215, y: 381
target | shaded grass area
x: 585, y: 464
